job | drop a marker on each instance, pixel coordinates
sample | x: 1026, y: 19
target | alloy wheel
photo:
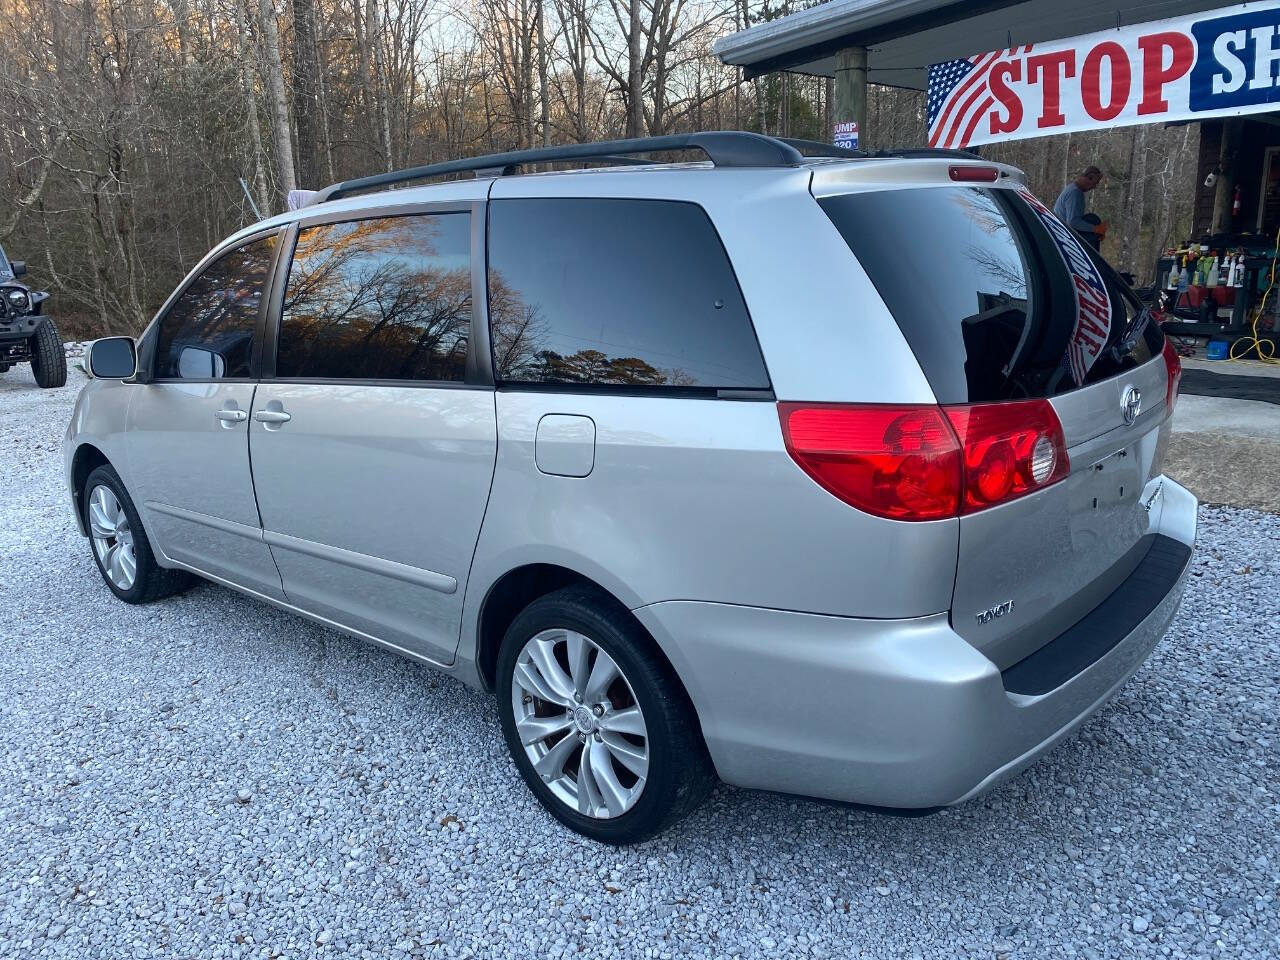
x: 580, y: 723
x: 112, y: 537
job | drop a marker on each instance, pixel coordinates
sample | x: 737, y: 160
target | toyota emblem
x: 1131, y: 404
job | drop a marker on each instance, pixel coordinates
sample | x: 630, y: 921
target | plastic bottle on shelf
x: 1184, y: 277
x: 1211, y: 280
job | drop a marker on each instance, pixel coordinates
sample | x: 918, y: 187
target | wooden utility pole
x: 851, y: 90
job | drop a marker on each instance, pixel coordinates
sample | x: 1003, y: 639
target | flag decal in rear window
x: 1093, y: 304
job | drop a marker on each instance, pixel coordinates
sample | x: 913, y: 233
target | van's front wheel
x: 596, y: 721
x: 120, y: 545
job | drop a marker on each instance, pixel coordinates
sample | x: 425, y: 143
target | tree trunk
x: 635, y: 66
x: 1131, y: 227
x: 373, y: 37
x: 542, y: 72
x: 306, y: 93
x: 279, y: 102
x: 259, y: 176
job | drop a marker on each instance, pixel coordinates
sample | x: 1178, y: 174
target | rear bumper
x: 893, y: 713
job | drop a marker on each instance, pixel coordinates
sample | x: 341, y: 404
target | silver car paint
x: 699, y: 500
x: 371, y: 500
x: 98, y: 420
x: 1058, y: 553
x: 191, y: 480
x: 890, y: 713
x: 688, y: 510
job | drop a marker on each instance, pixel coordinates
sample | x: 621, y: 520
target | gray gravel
x: 210, y: 777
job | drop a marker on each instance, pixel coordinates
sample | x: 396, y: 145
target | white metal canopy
x: 904, y: 36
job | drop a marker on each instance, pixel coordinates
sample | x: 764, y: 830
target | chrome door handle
x: 271, y: 416
x: 231, y: 416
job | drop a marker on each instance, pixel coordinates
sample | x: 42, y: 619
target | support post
x: 851, y: 90
x: 1224, y: 194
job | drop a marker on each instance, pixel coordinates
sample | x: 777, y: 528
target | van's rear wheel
x: 596, y: 721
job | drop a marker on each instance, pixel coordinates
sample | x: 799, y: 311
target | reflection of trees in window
x: 995, y: 252
x: 592, y: 366
x: 385, y: 298
x: 218, y: 313
x: 1005, y: 275
x: 516, y: 329
x: 520, y: 334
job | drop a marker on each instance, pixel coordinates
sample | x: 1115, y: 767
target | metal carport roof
x: 904, y: 36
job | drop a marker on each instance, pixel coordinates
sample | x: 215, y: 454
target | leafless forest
x: 127, y: 126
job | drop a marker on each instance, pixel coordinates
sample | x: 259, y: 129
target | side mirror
x: 113, y: 358
x: 19, y: 267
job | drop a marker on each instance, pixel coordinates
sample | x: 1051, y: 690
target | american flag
x: 960, y: 96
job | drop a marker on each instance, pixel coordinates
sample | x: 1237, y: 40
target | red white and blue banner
x: 1093, y: 303
x: 1221, y: 63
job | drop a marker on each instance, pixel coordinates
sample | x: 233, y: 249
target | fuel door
x: 565, y: 445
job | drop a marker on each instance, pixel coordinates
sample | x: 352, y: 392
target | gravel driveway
x: 210, y: 777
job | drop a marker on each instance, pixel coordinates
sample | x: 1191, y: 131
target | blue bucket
x: 1217, y: 350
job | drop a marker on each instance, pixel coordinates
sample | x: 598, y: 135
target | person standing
x: 1070, y: 207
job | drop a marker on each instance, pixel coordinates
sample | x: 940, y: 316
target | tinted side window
x: 626, y: 292
x: 208, y: 332
x: 380, y: 299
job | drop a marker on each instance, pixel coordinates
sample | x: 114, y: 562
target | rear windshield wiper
x: 1136, y: 328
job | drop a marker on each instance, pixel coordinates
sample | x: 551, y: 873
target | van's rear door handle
x: 271, y: 416
x: 231, y: 416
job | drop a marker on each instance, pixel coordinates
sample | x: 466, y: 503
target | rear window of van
x: 996, y: 302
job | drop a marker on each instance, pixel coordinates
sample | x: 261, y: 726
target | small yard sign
x: 846, y: 135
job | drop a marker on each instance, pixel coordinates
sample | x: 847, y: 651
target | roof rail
x: 816, y: 148
x: 724, y: 148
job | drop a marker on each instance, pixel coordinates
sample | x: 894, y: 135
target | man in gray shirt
x: 1070, y: 207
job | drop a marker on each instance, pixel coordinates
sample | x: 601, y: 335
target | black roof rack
x: 816, y: 148
x: 724, y: 148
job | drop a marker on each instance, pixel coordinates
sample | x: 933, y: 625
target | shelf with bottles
x: 1213, y: 289
x: 1195, y: 269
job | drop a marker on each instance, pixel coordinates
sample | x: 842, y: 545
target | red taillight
x: 924, y: 462
x: 974, y: 174
x: 1173, y: 364
x: 897, y: 462
x: 1010, y: 450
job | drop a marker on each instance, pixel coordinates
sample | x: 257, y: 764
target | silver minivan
x: 810, y: 471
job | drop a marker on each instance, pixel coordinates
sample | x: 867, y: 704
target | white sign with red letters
x: 1221, y: 63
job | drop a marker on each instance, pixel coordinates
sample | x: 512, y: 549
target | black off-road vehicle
x: 25, y: 333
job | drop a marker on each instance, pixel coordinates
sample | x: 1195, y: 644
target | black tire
x: 680, y: 773
x: 4, y: 367
x: 151, y: 581
x: 48, y: 359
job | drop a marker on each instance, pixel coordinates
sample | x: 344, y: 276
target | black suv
x: 25, y: 334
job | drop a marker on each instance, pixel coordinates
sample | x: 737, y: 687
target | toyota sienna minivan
x: 837, y: 475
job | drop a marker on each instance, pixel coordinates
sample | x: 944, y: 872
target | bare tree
x: 306, y: 92
x: 279, y: 100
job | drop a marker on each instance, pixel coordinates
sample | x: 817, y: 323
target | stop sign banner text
x: 1222, y: 63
